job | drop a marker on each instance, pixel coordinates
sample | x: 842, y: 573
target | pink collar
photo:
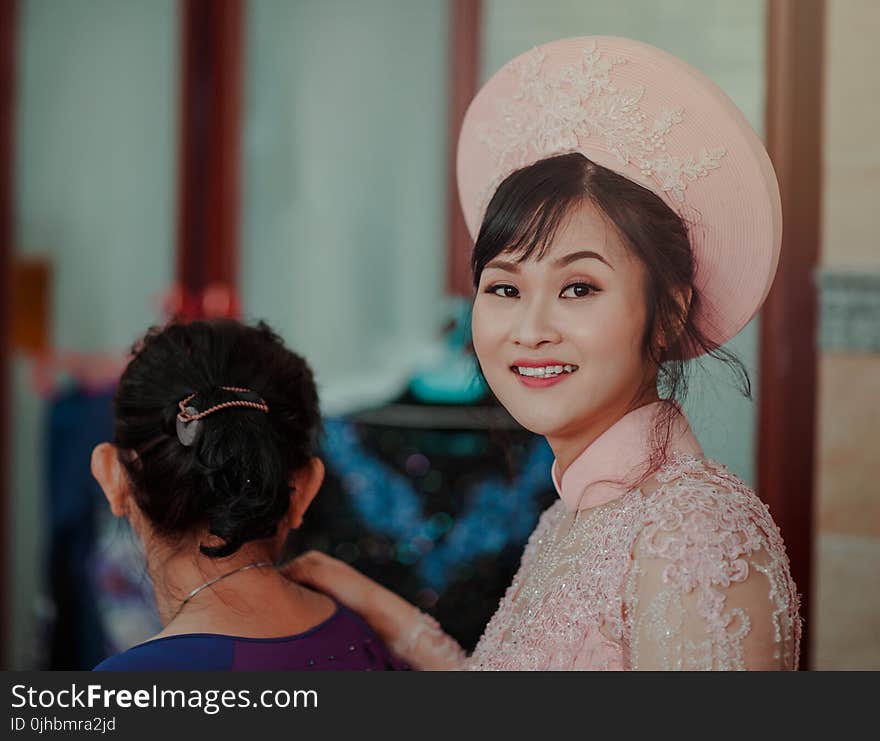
x: 616, y: 455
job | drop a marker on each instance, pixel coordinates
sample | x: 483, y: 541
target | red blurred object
x: 210, y: 136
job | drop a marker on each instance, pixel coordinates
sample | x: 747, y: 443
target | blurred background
x: 291, y: 160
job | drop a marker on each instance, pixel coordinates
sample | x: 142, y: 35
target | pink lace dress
x: 689, y: 572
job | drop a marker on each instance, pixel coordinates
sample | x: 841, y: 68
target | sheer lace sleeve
x: 424, y: 645
x: 709, y: 587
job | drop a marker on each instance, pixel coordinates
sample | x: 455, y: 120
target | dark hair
x: 528, y: 209
x: 235, y: 478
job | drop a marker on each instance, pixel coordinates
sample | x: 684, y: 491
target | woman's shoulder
x: 192, y: 651
x: 342, y: 641
x: 698, y: 504
x: 707, y: 547
x: 686, y: 481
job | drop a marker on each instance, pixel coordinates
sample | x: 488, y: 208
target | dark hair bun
x: 234, y: 479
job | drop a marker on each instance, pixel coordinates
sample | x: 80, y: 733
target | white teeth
x: 546, y: 371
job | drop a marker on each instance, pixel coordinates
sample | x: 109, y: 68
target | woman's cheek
x: 614, y: 325
x: 482, y: 332
x: 488, y: 343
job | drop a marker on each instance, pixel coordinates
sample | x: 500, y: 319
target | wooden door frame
x: 786, y: 442
x: 211, y: 71
x: 465, y: 37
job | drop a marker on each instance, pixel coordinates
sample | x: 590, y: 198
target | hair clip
x: 187, y: 425
x: 188, y: 419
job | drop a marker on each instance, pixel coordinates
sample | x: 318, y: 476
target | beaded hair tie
x: 188, y: 419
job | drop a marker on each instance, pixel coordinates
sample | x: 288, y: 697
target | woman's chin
x: 539, y: 424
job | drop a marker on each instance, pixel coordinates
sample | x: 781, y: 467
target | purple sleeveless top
x: 341, y: 642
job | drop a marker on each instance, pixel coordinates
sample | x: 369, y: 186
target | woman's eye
x: 503, y: 290
x: 578, y: 290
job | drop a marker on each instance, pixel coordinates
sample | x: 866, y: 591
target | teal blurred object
x: 456, y: 377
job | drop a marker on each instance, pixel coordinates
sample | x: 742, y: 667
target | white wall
x: 344, y: 194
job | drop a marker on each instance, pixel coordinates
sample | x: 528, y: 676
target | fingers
x: 314, y: 569
x: 331, y: 576
x: 302, y: 568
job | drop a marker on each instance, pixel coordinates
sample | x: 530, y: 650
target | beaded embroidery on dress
x: 691, y: 576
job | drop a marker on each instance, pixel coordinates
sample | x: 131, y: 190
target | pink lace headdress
x: 651, y: 117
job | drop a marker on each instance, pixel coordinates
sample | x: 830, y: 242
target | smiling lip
x: 531, y: 381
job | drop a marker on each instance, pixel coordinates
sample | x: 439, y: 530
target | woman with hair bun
x: 213, y: 463
x: 626, y: 221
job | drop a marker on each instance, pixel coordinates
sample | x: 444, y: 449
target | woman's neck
x: 176, y: 572
x: 569, y: 445
x: 254, y: 602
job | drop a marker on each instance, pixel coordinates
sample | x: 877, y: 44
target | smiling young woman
x: 626, y: 221
x: 559, y: 338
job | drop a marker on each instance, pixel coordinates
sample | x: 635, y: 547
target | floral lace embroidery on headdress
x: 551, y: 114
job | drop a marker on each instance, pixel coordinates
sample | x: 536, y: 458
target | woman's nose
x: 534, y: 325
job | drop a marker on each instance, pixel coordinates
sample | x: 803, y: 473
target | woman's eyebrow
x: 573, y: 256
x: 510, y: 267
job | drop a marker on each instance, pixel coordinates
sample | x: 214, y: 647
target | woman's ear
x: 112, y: 478
x: 683, y: 299
x: 304, y: 485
